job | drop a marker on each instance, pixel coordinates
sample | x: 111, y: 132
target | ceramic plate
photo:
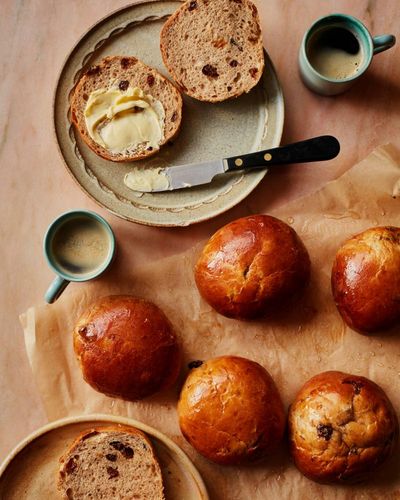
x: 252, y: 122
x: 29, y: 472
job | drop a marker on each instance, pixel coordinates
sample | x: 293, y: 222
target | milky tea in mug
x: 335, y: 53
x: 80, y: 246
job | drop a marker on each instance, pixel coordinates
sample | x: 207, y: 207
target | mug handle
x: 55, y: 289
x: 383, y: 42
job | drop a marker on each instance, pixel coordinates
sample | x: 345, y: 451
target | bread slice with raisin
x: 124, y: 74
x: 110, y: 462
x: 213, y: 48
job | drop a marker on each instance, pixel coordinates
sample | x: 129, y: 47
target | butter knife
x: 320, y: 148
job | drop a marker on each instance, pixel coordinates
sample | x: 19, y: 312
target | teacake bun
x: 341, y: 428
x: 126, y: 347
x: 230, y: 411
x: 366, y: 279
x: 252, y: 265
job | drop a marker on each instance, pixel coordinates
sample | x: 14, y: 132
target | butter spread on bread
x: 127, y: 74
x: 121, y: 120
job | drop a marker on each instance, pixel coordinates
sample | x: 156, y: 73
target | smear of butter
x: 122, y: 120
x: 146, y: 180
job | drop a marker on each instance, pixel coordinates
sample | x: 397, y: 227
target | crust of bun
x: 341, y: 428
x: 126, y: 347
x: 230, y: 411
x: 106, y: 428
x: 252, y: 265
x: 366, y: 279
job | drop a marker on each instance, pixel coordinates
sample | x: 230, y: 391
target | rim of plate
x: 278, y: 131
x: 99, y: 417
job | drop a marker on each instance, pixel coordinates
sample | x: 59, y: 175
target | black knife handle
x: 324, y: 147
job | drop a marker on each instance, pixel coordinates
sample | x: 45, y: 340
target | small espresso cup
x: 78, y: 246
x: 336, y: 51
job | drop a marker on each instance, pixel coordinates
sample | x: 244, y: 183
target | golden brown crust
x: 366, y: 279
x: 230, y: 411
x: 82, y: 436
x: 251, y: 265
x: 126, y: 347
x: 112, y: 69
x: 341, y: 427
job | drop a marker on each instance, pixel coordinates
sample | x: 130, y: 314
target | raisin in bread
x: 125, y: 73
x: 213, y: 48
x: 110, y: 462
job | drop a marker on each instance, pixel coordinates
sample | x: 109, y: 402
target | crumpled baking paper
x: 299, y: 342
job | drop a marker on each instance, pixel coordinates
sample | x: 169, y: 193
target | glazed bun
x: 250, y: 266
x: 230, y: 411
x: 366, y: 279
x: 341, y: 427
x: 126, y: 348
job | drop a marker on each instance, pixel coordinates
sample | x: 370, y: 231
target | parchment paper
x: 294, y: 345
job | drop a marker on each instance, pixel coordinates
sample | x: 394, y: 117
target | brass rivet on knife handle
x: 267, y: 157
x: 238, y: 162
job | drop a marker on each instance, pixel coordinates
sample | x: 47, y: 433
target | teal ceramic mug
x: 78, y: 246
x: 336, y: 51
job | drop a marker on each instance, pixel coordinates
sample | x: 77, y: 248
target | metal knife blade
x: 324, y: 147
x: 176, y: 177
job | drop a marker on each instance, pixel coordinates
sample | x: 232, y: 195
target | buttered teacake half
x: 125, y: 110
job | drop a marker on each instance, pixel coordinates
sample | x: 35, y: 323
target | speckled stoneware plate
x: 250, y: 123
x: 30, y: 471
